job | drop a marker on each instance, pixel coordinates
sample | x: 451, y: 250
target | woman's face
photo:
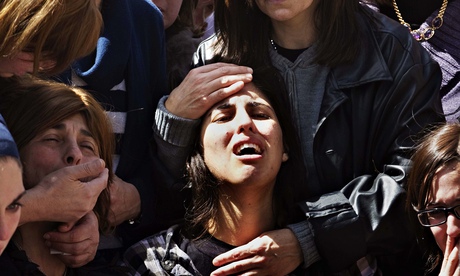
x: 286, y: 10
x: 11, y: 192
x: 203, y: 10
x: 21, y: 64
x: 68, y: 143
x: 242, y: 139
x: 170, y: 10
x: 446, y: 193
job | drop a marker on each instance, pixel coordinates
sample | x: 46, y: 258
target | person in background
x: 433, y: 198
x: 360, y: 90
x: 35, y: 42
x: 244, y: 172
x: 434, y: 23
x: 54, y: 126
x: 184, y: 23
x: 127, y: 75
x: 45, y: 36
x: 11, y: 186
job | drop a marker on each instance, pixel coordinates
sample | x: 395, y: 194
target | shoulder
x: 145, y: 10
x: 384, y: 27
x: 206, y: 51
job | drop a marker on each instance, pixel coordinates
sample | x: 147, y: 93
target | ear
x: 285, y: 157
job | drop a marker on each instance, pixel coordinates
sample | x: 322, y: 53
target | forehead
x: 248, y: 93
x: 446, y: 183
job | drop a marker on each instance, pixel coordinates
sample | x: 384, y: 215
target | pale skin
x: 276, y: 252
x: 75, y: 190
x: 170, y: 10
x: 67, y: 144
x: 244, y: 120
x: 446, y: 193
x: 10, y: 198
x: 21, y: 64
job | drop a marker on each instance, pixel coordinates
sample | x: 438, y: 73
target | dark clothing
x: 131, y: 50
x: 14, y: 262
x: 444, y: 47
x: 371, y: 112
x: 170, y: 253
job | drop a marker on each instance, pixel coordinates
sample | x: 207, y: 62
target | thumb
x: 66, y: 226
x: 87, y: 170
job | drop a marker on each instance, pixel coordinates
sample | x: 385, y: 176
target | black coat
x: 372, y: 111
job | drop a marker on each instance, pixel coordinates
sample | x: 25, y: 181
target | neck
x: 29, y: 237
x: 296, y: 33
x: 243, y: 215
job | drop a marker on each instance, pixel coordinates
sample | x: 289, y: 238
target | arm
x: 365, y: 215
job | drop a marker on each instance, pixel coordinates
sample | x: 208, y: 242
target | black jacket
x: 370, y: 115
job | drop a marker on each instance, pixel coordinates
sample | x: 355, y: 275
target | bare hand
x: 272, y: 253
x: 205, y: 86
x: 450, y: 264
x: 65, y: 195
x: 78, y: 244
x: 125, y: 201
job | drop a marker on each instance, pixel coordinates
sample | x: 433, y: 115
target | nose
x: 73, y: 154
x: 244, y: 122
x: 453, y: 226
x: 4, y: 229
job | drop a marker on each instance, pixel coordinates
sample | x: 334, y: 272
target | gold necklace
x: 423, y: 34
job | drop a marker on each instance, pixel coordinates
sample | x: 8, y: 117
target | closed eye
x: 13, y: 207
x: 261, y: 115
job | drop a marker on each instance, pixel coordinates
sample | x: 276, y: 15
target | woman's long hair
x: 57, y: 30
x: 290, y: 184
x: 31, y: 106
x: 438, y: 148
x: 243, y: 31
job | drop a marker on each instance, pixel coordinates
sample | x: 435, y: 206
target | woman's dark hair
x: 290, y: 183
x: 439, y: 147
x: 244, y: 31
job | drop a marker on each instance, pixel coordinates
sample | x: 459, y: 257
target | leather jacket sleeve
x: 366, y: 215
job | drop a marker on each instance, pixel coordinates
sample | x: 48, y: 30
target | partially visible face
x: 446, y: 193
x: 170, y: 10
x: 242, y: 139
x: 12, y: 189
x: 286, y: 10
x: 68, y: 143
x: 203, y: 10
x: 21, y: 64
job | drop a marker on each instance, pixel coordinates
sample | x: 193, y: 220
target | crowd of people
x: 214, y: 137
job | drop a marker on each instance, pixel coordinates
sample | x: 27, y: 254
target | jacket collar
x: 369, y: 65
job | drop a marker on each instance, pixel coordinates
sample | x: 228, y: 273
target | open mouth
x: 248, y: 149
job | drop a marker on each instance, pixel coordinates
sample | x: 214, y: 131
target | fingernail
x: 46, y: 236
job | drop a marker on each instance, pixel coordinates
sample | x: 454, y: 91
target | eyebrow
x: 82, y: 131
x: 227, y: 105
x: 19, y: 196
x: 436, y: 203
